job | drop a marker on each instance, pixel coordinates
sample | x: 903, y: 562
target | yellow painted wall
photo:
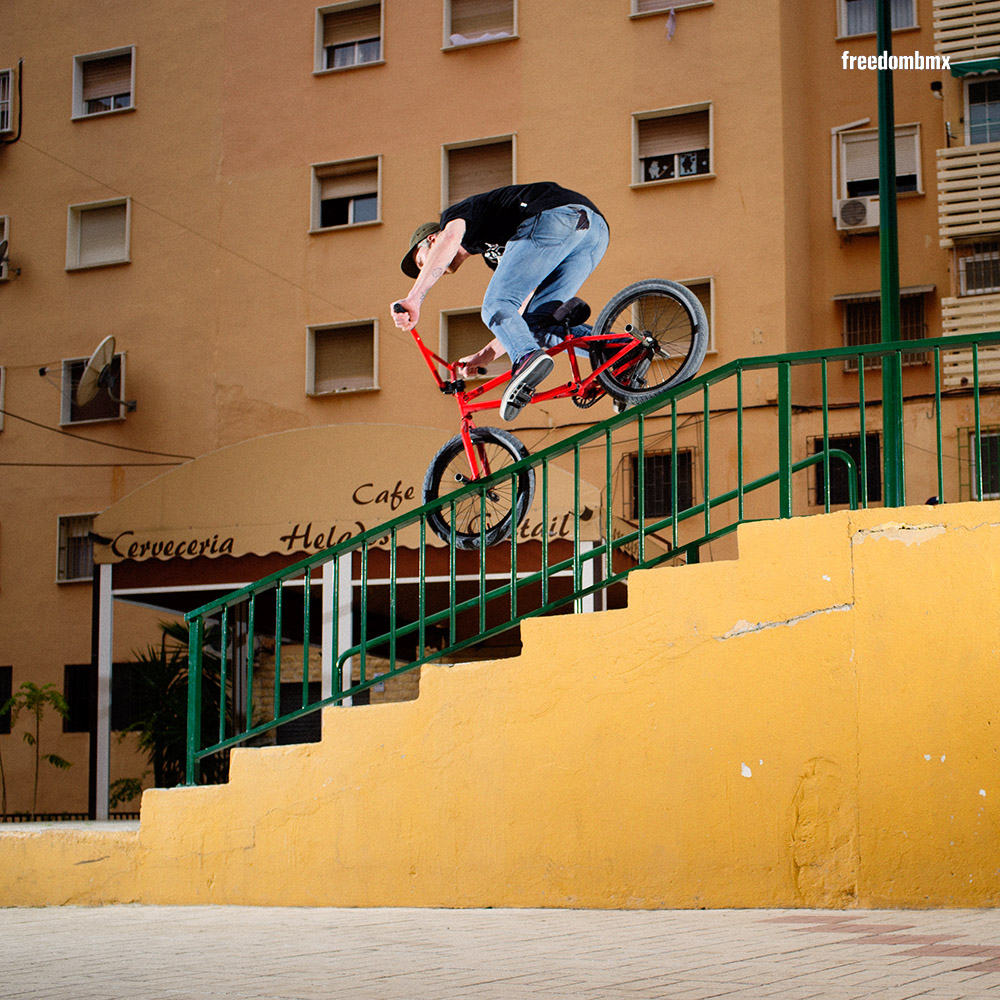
x: 814, y: 724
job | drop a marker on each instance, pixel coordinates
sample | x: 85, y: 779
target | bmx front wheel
x: 486, y: 516
x: 669, y: 330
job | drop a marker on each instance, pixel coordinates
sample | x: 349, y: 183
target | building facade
x: 227, y: 191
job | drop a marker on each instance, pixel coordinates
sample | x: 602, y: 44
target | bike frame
x: 470, y: 403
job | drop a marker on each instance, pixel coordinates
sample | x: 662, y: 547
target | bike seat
x: 572, y: 312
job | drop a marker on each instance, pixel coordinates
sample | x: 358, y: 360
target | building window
x: 641, y: 7
x: 6, y: 100
x: 978, y: 268
x: 859, y: 161
x: 106, y: 404
x: 103, y: 82
x: 6, y: 690
x: 982, y: 118
x: 657, y: 486
x: 672, y: 145
x: 989, y: 439
x: 472, y: 168
x: 306, y: 728
x: 348, y: 35
x: 4, y: 246
x: 468, y: 22
x: 76, y: 549
x: 464, y: 333
x: 704, y: 290
x: 863, y: 325
x: 98, y: 234
x: 79, y: 690
x: 857, y: 17
x: 342, y: 358
x: 840, y: 492
x: 345, y: 194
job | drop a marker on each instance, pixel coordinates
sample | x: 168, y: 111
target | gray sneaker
x: 525, y: 376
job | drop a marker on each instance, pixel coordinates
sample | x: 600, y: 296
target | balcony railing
x: 968, y: 191
x: 967, y: 29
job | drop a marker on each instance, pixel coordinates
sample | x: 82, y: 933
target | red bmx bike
x: 650, y: 337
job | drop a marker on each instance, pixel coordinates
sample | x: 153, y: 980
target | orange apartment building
x: 227, y: 192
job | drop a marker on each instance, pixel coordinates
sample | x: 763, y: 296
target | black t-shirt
x: 492, y: 218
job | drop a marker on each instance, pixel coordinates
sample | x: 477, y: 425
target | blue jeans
x: 551, y: 254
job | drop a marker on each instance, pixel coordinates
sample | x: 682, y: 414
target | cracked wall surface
x: 812, y: 724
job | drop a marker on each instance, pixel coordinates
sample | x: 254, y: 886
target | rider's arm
x: 441, y: 257
x: 493, y: 350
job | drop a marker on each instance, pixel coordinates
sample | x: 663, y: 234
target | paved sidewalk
x: 243, y: 953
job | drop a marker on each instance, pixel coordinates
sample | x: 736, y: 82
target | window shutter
x: 474, y: 169
x: 102, y: 235
x: 107, y: 77
x: 348, y: 180
x: 466, y: 335
x: 470, y: 18
x: 861, y: 158
x: 861, y: 155
x: 343, y: 359
x: 341, y: 27
x: 906, y: 152
x: 648, y: 6
x: 673, y: 134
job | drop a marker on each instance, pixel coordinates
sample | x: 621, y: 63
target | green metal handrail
x: 502, y: 598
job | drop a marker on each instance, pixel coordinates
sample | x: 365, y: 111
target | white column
x: 105, y: 649
x: 587, y: 577
x: 327, y: 657
x: 345, y: 611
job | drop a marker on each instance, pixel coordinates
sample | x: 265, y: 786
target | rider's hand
x: 478, y: 360
x: 405, y: 313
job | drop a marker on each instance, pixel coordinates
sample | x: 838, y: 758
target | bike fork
x: 479, y: 462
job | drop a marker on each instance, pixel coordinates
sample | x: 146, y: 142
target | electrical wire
x: 90, y: 440
x: 87, y: 465
x: 187, y: 229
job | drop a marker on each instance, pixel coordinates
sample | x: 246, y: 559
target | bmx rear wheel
x: 482, y: 516
x: 669, y: 330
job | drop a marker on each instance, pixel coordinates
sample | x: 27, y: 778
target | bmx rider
x: 542, y: 242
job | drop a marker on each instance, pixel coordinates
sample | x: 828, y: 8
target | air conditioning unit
x: 857, y: 214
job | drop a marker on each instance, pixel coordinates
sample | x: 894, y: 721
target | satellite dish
x: 98, y: 374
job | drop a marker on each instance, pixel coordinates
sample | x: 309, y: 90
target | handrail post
x: 784, y: 439
x: 195, y: 637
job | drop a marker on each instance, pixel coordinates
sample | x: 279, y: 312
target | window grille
x: 657, y: 485
x: 978, y: 268
x: 6, y: 87
x: 76, y: 548
x: 863, y: 325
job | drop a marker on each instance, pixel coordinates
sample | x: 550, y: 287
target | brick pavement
x: 244, y: 953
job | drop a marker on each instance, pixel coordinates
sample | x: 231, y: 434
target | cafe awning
x: 297, y: 492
